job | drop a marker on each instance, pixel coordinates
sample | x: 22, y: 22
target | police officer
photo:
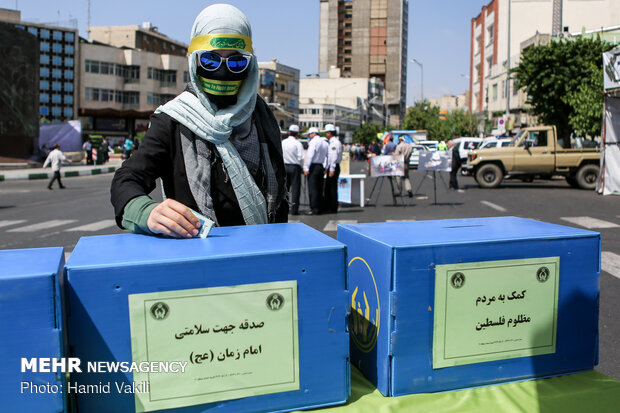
x: 334, y: 157
x: 293, y: 152
x: 314, y: 169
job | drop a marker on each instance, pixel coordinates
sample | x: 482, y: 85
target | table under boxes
x: 451, y: 304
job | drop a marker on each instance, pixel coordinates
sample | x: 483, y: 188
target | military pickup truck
x: 536, y: 153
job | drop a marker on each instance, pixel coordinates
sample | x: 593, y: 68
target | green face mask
x: 220, y: 87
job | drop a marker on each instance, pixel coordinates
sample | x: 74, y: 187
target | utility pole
x: 508, y: 68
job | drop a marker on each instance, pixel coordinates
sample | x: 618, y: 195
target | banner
x: 435, y: 161
x: 237, y: 342
x: 495, y: 310
x: 611, y: 66
x: 344, y: 190
x: 387, y: 165
x: 67, y: 134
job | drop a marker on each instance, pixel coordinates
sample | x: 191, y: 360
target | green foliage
x: 560, y: 79
x: 424, y: 116
x: 367, y: 134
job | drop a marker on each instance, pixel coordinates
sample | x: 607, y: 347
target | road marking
x: 610, y: 263
x: 590, y: 223
x: 95, y: 226
x: 43, y: 225
x: 15, y: 191
x: 494, y: 206
x: 332, y: 224
x: 6, y: 223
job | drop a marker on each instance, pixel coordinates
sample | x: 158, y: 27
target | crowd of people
x: 321, y: 166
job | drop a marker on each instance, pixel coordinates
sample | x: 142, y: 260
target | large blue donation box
x: 250, y: 319
x: 31, y: 323
x: 450, y: 304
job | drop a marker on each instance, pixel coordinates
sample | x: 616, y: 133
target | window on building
x: 185, y: 77
x: 68, y: 112
x: 57, y: 35
x: 503, y: 89
x: 44, y: 98
x: 45, y: 59
x: 44, y: 85
x: 68, y: 87
x: 489, y: 65
x: 515, y: 91
x: 69, y: 37
x: 495, y: 92
x: 56, y: 98
x: 69, y: 49
x: 68, y: 74
x: 57, y: 48
x: 57, y: 61
x: 68, y: 99
x: 315, y: 111
x: 44, y: 110
x: 45, y: 34
x: 33, y: 30
x: 45, y: 46
x: 490, y: 34
x: 56, y: 111
x: 56, y: 73
x: 45, y: 72
x: 56, y: 86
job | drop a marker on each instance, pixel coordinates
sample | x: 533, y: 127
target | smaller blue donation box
x: 451, y: 304
x: 31, y: 379
x: 249, y: 319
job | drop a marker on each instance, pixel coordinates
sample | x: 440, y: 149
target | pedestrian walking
x: 332, y: 169
x: 105, y: 148
x: 128, y: 147
x: 314, y: 169
x: 405, y: 149
x: 55, y: 158
x: 293, y: 153
x: 216, y: 147
x: 88, y: 147
x: 456, y: 164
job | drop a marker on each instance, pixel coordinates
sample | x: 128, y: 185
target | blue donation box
x: 450, y: 304
x: 250, y: 319
x: 31, y: 322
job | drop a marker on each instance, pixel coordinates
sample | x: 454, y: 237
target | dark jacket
x: 160, y: 156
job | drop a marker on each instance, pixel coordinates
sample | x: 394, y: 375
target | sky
x: 288, y: 30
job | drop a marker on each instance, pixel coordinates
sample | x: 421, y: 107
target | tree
x: 367, y: 134
x: 560, y: 81
x: 425, y: 116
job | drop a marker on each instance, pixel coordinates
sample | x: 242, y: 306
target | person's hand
x: 174, y: 219
x: 306, y: 173
x: 331, y: 174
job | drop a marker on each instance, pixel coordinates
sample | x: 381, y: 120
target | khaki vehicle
x: 536, y: 153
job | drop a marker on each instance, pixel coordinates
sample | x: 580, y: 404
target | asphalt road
x: 33, y: 216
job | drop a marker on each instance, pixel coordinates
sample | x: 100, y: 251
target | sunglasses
x: 236, y: 63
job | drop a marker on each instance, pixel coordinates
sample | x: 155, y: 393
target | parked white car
x: 495, y: 143
x: 414, y: 159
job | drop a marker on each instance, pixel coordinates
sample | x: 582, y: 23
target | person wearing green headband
x: 215, y: 147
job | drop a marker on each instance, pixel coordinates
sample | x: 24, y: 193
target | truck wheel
x: 489, y: 176
x: 587, y: 175
x: 572, y: 181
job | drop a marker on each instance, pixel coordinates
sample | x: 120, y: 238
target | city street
x: 33, y: 216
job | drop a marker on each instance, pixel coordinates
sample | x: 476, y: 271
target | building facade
x: 122, y: 85
x: 451, y: 102
x: 279, y: 86
x: 58, y: 66
x: 347, y: 102
x: 366, y: 39
x: 506, y: 27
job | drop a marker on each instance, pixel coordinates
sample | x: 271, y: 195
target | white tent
x: 609, y: 179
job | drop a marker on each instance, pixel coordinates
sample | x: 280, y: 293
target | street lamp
x: 336, y: 99
x: 421, y: 76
